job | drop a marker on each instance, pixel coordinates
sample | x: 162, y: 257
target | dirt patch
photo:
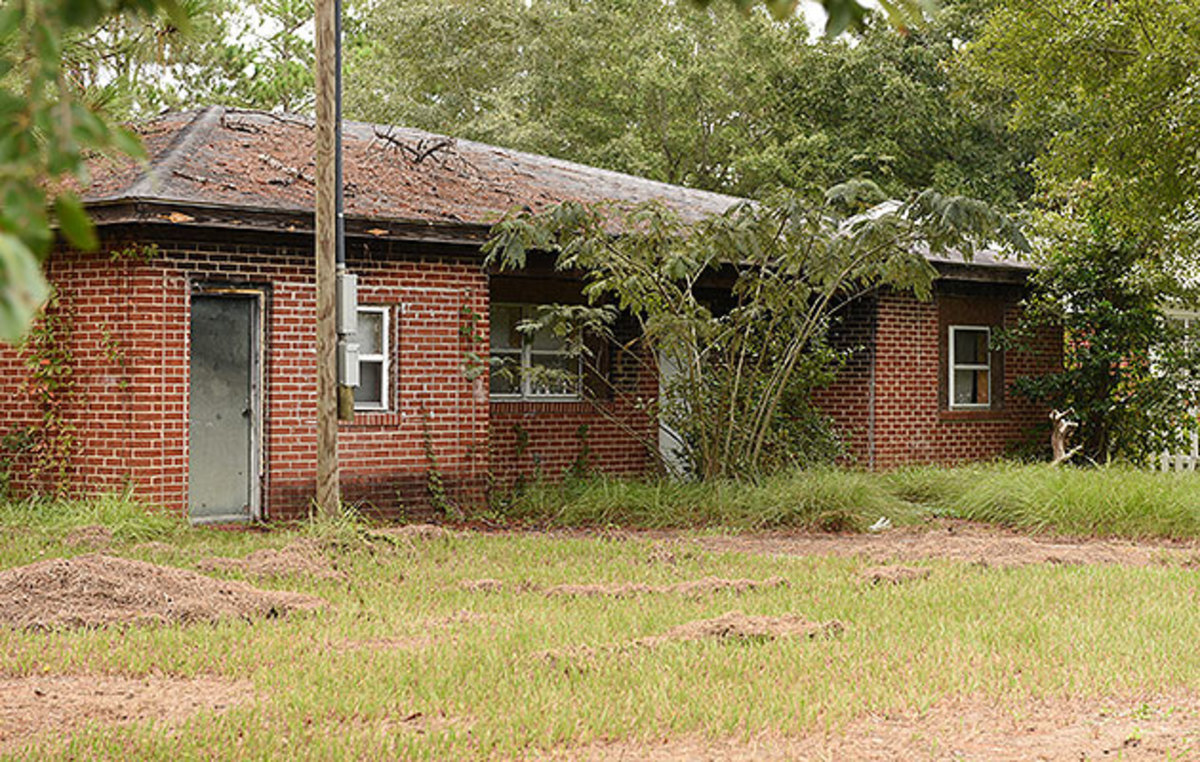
x: 60, y: 705
x: 96, y: 590
x: 299, y: 559
x: 957, y: 541
x: 893, y: 575
x: 414, y: 532
x: 481, y: 585
x: 1131, y: 729
x: 92, y: 537
x: 738, y: 626
x: 694, y: 588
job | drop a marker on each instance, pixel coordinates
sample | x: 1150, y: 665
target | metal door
x: 224, y: 412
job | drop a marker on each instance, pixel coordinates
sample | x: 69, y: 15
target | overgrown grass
x: 828, y: 499
x: 128, y: 518
x: 1114, y: 501
x: 479, y: 686
x: 1108, y: 502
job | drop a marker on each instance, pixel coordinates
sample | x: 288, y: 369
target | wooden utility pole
x: 327, y: 497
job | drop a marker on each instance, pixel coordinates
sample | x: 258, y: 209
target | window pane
x: 546, y: 341
x: 971, y: 387
x: 370, y: 383
x: 970, y: 347
x: 370, y: 332
x: 553, y: 374
x: 505, y: 375
x: 504, y: 333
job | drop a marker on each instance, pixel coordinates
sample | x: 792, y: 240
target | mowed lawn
x: 415, y: 658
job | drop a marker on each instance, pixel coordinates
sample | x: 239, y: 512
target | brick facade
x: 891, y: 400
x: 129, y: 411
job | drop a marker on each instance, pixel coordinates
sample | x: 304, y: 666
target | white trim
x: 953, y: 366
x: 527, y: 394
x: 382, y: 357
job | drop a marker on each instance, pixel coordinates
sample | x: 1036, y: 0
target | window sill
x: 988, y: 414
x: 541, y: 406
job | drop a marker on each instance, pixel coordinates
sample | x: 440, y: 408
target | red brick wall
x: 912, y: 423
x: 130, y: 413
x: 130, y: 417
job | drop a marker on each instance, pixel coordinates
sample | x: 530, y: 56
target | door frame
x: 259, y: 294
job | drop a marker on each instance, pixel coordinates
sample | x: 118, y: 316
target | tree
x: 46, y: 131
x: 712, y: 99
x: 1129, y: 371
x: 739, y: 358
x: 1115, y: 82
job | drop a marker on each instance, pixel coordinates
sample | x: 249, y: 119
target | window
x: 529, y: 365
x: 970, y: 368
x: 373, y: 366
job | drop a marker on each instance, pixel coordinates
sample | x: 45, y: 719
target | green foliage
x: 50, y: 442
x: 1129, y: 373
x: 734, y: 311
x: 46, y: 132
x: 712, y: 99
x: 1116, y: 83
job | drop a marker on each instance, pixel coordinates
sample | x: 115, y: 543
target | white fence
x: 1181, y: 461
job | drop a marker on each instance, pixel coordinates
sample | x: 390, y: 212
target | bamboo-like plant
x: 735, y: 310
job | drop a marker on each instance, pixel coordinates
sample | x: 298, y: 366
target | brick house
x: 192, y: 352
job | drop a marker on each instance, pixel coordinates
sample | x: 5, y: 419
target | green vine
x: 434, y: 482
x: 135, y: 252
x: 51, y: 385
x: 475, y: 360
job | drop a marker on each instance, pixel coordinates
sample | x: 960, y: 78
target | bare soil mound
x: 92, y: 537
x: 481, y: 585
x: 1133, y: 729
x: 694, y: 588
x: 299, y: 559
x: 738, y: 626
x: 959, y: 541
x: 893, y: 575
x: 61, y: 704
x: 96, y: 590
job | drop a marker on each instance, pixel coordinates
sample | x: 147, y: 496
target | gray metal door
x: 223, y: 419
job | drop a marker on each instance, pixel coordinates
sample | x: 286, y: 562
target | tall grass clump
x: 1112, y: 501
x: 128, y: 518
x: 829, y: 499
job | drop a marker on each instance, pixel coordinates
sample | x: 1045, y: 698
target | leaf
x: 74, y: 222
x: 23, y: 290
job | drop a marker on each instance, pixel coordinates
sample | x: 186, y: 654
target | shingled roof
x: 247, y: 162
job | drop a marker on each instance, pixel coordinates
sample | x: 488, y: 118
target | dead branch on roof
x: 203, y: 179
x: 298, y: 121
x: 419, y: 150
x: 293, y: 173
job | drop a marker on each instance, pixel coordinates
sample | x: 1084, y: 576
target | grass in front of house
x: 406, y: 664
x: 1111, y: 501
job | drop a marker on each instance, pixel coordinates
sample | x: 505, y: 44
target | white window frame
x: 955, y: 366
x: 385, y: 379
x: 527, y: 393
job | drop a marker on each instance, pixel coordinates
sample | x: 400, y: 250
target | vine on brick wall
x: 51, y: 384
x: 434, y: 482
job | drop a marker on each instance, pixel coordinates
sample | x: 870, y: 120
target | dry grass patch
x: 43, y: 705
x: 91, y: 537
x: 96, y: 591
x: 302, y: 558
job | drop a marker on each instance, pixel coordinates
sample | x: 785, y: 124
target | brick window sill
x: 971, y: 416
x: 541, y: 406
